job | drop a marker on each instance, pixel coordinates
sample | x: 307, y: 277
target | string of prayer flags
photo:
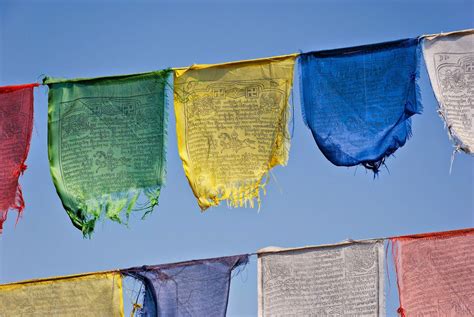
x: 435, y: 273
x: 345, y: 279
x: 232, y: 126
x: 449, y: 59
x: 194, y: 288
x: 358, y: 101
x: 106, y: 139
x: 434, y: 278
x: 97, y: 294
x: 16, y: 124
x: 107, y: 135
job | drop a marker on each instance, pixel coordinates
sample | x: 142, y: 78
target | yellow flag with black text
x: 232, y: 126
x: 97, y: 294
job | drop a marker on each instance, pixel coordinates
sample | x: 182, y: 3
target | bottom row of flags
x: 435, y: 277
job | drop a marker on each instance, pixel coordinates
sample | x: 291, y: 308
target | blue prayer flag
x: 193, y: 288
x: 358, y: 101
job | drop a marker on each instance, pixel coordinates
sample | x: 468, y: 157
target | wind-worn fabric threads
x: 358, y: 101
x: 449, y: 59
x: 232, y: 127
x: 107, y: 144
x: 16, y: 124
x: 194, y: 288
x: 345, y: 279
x: 435, y: 273
x: 95, y: 294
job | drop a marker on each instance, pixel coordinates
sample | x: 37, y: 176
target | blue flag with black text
x: 358, y: 101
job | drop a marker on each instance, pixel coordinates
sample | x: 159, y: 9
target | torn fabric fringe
x: 114, y: 206
x: 232, y: 127
x: 107, y: 145
x: 358, y: 101
x: 242, y: 195
x: 16, y: 124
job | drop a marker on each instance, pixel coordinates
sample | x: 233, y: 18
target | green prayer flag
x: 107, y: 144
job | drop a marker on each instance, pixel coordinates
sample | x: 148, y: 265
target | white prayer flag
x: 449, y: 59
x: 345, y: 279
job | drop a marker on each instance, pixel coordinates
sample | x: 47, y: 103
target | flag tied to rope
x: 16, y: 124
x: 232, y: 126
x: 107, y: 140
x: 357, y: 101
x: 345, y: 279
x: 449, y: 59
x: 435, y: 273
x: 98, y: 294
x: 194, y: 288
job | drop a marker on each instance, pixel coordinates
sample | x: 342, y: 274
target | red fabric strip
x: 441, y: 234
x: 16, y: 123
x: 5, y: 89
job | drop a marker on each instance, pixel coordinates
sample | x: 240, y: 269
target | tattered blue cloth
x: 194, y: 288
x: 357, y: 101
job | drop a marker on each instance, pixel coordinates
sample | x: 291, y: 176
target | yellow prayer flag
x: 232, y: 126
x: 96, y: 294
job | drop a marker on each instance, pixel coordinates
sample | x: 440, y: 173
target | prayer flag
x: 232, y: 126
x: 345, y: 279
x: 194, y: 288
x: 358, y: 101
x: 16, y: 124
x: 97, y: 294
x: 107, y: 140
x: 449, y: 59
x: 435, y: 273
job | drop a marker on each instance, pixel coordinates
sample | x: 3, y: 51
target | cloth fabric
x: 435, y: 273
x: 358, y: 101
x: 232, y: 126
x: 107, y: 140
x: 98, y: 294
x: 449, y: 59
x: 194, y: 288
x: 16, y: 124
x: 345, y: 279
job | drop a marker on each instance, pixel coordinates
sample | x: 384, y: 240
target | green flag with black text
x: 107, y: 144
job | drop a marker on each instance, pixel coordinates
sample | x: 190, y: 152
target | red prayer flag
x: 16, y: 122
x: 435, y: 273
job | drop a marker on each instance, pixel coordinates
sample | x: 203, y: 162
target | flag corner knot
x: 21, y: 169
x: 401, y: 312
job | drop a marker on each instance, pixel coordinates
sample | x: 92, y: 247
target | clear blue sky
x: 310, y: 202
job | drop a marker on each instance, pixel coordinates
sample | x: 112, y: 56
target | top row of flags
x: 107, y: 136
